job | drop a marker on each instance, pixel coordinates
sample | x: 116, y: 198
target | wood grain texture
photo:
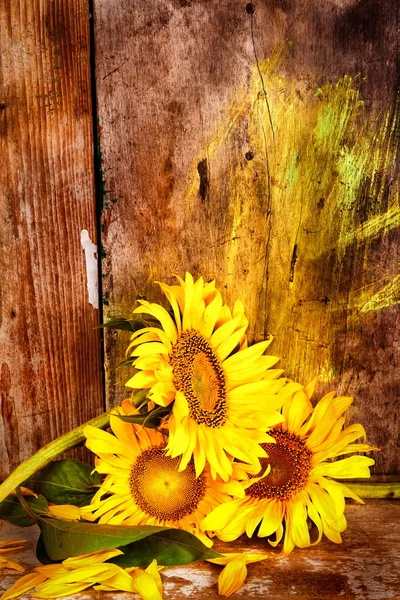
x: 50, y: 371
x: 256, y: 143
x: 364, y: 567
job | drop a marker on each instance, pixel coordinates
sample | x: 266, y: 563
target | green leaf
x: 12, y: 511
x: 128, y: 362
x: 130, y: 324
x: 41, y: 553
x: 67, y: 482
x: 171, y: 547
x: 62, y: 539
x: 151, y: 419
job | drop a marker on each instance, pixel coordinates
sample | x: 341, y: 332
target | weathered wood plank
x: 364, y: 567
x: 270, y: 166
x: 50, y: 370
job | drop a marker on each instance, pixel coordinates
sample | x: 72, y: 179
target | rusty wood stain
x: 50, y: 359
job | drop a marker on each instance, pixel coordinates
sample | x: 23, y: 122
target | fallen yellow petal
x: 84, y: 560
x: 145, y: 585
x: 230, y: 556
x: 6, y: 563
x: 120, y: 580
x: 24, y: 584
x: 8, y: 546
x: 5, y: 543
x: 153, y: 570
x: 232, y: 576
x: 67, y: 590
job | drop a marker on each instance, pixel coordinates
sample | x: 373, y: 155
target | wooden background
x: 50, y: 361
x: 254, y: 143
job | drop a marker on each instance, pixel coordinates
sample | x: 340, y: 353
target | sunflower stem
x: 48, y: 453
x: 386, y: 491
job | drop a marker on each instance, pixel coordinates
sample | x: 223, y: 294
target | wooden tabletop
x: 364, y: 567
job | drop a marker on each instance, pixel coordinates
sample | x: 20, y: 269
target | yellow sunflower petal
x: 154, y: 571
x: 120, y: 580
x: 278, y: 536
x: 63, y: 590
x: 222, y: 515
x: 161, y: 315
x: 232, y: 576
x: 314, y: 516
x: 145, y: 585
x: 142, y: 380
x: 297, y: 514
x: 255, y: 517
x: 149, y: 349
x: 68, y: 512
x: 211, y: 313
x: 23, y: 585
x: 10, y: 545
x: 272, y: 518
x: 347, y: 468
x: 335, y: 491
x: 230, y: 556
x: 296, y: 410
x: 247, y: 356
x: 172, y: 299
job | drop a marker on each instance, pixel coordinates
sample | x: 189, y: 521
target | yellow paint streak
x: 326, y: 373
x: 389, y: 295
x: 376, y: 226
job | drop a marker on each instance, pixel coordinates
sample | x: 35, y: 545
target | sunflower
x: 82, y: 572
x: 225, y: 394
x: 143, y: 485
x: 299, y: 484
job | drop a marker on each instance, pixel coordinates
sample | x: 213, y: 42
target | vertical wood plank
x: 50, y: 366
x: 256, y: 143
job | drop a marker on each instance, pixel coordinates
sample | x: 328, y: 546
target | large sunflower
x: 299, y: 484
x: 225, y: 394
x: 143, y: 485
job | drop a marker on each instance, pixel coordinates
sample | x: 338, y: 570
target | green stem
x: 44, y: 456
x: 386, y: 491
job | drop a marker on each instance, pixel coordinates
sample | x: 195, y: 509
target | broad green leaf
x: 171, y: 547
x: 151, y: 419
x: 67, y: 482
x: 41, y: 553
x: 61, y: 539
x: 12, y: 511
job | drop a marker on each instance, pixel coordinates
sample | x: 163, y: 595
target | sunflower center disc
x: 198, y: 374
x: 290, y: 461
x: 160, y: 490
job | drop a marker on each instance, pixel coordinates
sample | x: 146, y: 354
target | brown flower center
x: 198, y: 374
x: 160, y: 490
x: 290, y: 461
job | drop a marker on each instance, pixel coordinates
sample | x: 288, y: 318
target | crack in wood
x: 293, y: 263
x: 116, y: 69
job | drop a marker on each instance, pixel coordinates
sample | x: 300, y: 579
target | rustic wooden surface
x: 364, y: 567
x: 50, y: 369
x: 256, y: 143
